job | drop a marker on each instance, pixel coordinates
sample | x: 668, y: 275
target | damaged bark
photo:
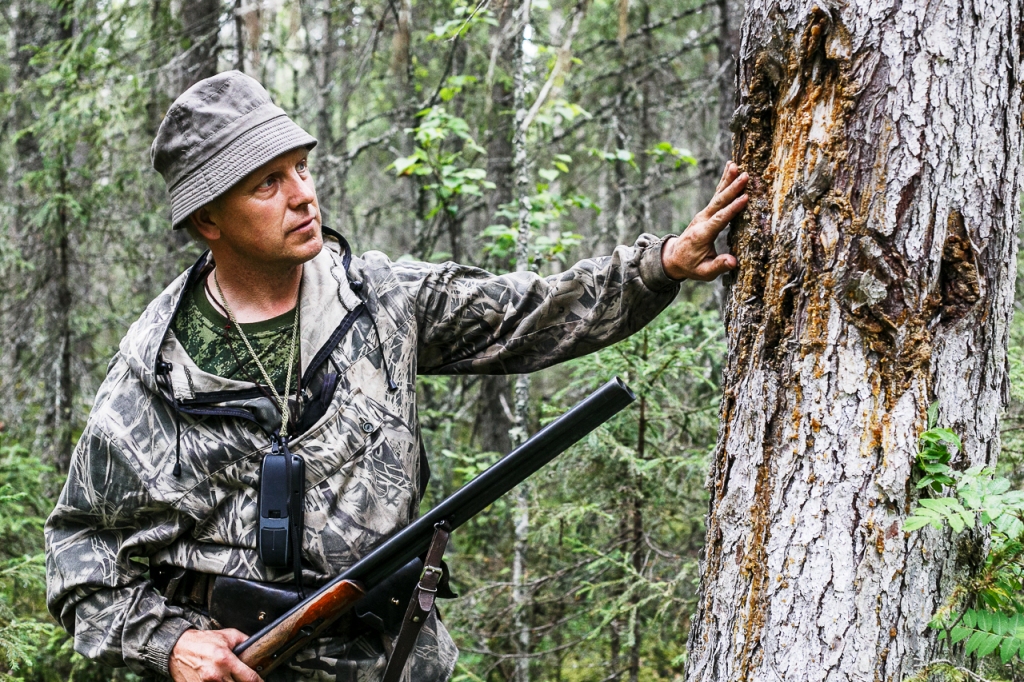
x: 877, y: 261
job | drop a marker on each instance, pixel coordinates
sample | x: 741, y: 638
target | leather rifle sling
x: 420, y: 605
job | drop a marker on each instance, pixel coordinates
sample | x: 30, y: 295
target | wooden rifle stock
x: 288, y: 634
x: 295, y: 629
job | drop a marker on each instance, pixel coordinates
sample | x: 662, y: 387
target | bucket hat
x: 217, y: 132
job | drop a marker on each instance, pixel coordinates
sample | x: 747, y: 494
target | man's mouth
x: 303, y: 225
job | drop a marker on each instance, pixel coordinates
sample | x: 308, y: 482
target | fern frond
x: 986, y: 632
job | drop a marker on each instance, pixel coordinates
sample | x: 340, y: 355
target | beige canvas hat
x: 217, y: 132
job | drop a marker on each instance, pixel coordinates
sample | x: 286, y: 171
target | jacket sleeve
x: 471, y: 321
x: 96, y: 585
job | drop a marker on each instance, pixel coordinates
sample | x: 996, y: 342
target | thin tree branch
x: 562, y: 63
x: 648, y: 28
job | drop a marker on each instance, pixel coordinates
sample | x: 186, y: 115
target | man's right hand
x: 207, y: 656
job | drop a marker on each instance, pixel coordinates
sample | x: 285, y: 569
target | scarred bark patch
x: 799, y: 97
x: 958, y: 276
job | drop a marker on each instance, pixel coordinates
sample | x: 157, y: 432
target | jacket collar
x: 326, y: 300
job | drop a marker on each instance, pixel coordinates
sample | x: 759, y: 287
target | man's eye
x: 267, y: 183
x: 302, y: 166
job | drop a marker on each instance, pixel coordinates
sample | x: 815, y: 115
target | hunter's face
x: 270, y: 217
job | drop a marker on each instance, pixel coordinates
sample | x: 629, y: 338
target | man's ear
x: 205, y: 224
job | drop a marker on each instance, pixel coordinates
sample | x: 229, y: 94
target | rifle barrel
x: 482, y: 491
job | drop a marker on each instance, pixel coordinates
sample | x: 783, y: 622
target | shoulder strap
x: 420, y: 605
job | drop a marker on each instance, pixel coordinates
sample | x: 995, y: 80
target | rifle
x: 285, y: 636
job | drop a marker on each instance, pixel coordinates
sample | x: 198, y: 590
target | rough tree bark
x: 200, y: 21
x: 239, y: 37
x: 876, y: 276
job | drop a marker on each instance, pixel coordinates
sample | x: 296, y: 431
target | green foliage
x: 27, y: 636
x: 666, y: 151
x: 450, y: 173
x: 615, y: 521
x: 558, y: 112
x: 985, y: 614
x: 937, y: 448
x: 623, y: 155
x: 547, y: 207
x: 985, y: 632
x: 22, y: 580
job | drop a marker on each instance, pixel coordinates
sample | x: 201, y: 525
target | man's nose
x: 301, y: 190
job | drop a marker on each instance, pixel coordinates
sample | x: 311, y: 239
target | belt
x: 245, y: 605
x: 250, y: 605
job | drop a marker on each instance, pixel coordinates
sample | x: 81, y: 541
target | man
x: 161, y: 499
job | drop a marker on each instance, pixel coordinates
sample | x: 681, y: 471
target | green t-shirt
x: 216, y: 348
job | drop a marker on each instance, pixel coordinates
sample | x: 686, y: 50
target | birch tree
x: 876, y: 277
x: 520, y: 164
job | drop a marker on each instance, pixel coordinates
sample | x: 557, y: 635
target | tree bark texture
x: 200, y: 22
x: 877, y: 264
x: 521, y: 599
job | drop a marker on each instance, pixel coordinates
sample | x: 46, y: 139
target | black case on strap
x: 277, y: 496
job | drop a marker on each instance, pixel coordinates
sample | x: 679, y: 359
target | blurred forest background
x: 444, y: 125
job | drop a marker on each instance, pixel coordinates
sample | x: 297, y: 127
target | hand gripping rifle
x: 278, y: 641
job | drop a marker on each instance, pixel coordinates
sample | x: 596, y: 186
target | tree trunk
x: 159, y: 29
x: 318, y: 19
x: 200, y: 21
x: 520, y: 592
x: 876, y: 276
x: 493, y: 423
x: 239, y: 38
x: 729, y: 12
x: 65, y: 388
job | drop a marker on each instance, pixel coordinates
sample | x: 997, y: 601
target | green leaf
x: 976, y: 640
x: 984, y: 622
x: 1000, y: 623
x: 958, y: 633
x: 934, y: 467
x: 990, y: 644
x: 938, y: 504
x: 1009, y: 649
x: 548, y: 174
x: 914, y: 523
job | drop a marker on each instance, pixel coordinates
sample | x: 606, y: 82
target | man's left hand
x: 692, y: 254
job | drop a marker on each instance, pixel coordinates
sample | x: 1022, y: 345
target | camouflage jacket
x: 362, y: 319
